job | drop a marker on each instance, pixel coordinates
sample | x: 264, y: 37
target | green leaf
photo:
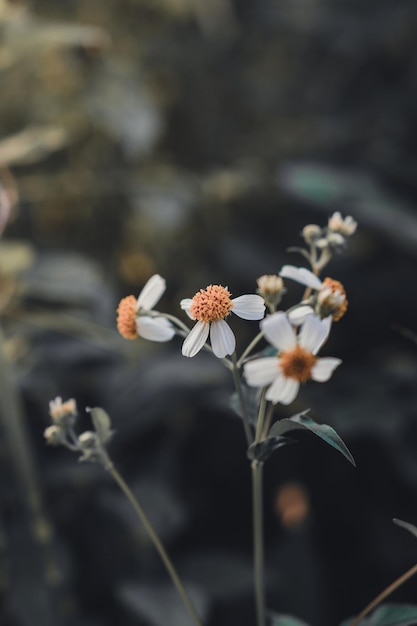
x: 395, y: 615
x: 262, y: 451
x: 410, y: 527
x: 280, y: 619
x: 101, y: 423
x: 325, y: 432
x: 389, y: 615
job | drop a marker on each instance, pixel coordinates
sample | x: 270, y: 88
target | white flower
x: 210, y: 307
x: 59, y: 409
x: 301, y: 275
x: 133, y: 320
x: 346, y: 226
x: 296, y: 360
x: 331, y: 295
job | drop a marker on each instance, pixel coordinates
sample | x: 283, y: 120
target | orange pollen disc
x: 211, y: 304
x: 336, y: 302
x: 126, y: 317
x: 297, y: 363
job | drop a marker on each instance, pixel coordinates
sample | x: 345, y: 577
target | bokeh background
x: 195, y: 139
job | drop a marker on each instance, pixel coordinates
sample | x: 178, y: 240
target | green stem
x: 249, y: 349
x: 258, y: 544
x: 239, y: 390
x: 261, y: 416
x: 154, y: 538
x: 397, y: 583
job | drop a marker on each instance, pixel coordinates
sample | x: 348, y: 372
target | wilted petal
x: 196, y: 339
x: 282, y: 390
x: 278, y: 331
x: 261, y: 372
x: 222, y: 339
x: 324, y: 368
x: 154, y: 328
x: 301, y: 275
x: 298, y: 315
x: 185, y: 304
x: 151, y: 292
x: 249, y: 307
x: 314, y: 333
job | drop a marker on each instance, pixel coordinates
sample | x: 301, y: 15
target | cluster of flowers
x: 297, y: 334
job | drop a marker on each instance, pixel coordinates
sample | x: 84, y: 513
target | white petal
x: 222, y: 339
x: 298, y: 315
x: 283, y: 390
x: 196, y: 339
x: 185, y: 304
x: 324, y: 368
x: 154, y: 328
x: 151, y: 292
x: 301, y: 275
x: 249, y: 307
x: 278, y: 331
x: 261, y: 372
x: 314, y: 333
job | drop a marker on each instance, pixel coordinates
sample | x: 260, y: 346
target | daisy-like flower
x: 210, y: 307
x: 296, y: 360
x: 331, y: 295
x: 133, y: 319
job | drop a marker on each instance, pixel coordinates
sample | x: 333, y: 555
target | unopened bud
x: 271, y: 287
x: 88, y: 439
x: 311, y: 233
x: 54, y: 435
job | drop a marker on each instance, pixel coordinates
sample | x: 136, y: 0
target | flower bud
x: 311, y: 233
x: 271, y: 288
x: 54, y: 435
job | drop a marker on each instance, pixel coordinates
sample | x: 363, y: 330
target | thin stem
x: 154, y: 538
x: 249, y: 349
x: 261, y: 416
x: 239, y: 390
x: 384, y: 594
x: 258, y: 544
x: 267, y: 421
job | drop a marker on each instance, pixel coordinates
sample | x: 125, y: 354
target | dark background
x: 196, y: 139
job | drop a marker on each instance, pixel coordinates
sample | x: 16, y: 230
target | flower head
x: 59, y: 410
x: 296, y: 360
x: 134, y: 317
x: 209, y: 307
x: 330, y: 298
x: 346, y: 226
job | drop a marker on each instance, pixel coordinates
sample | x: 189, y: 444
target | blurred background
x: 195, y: 139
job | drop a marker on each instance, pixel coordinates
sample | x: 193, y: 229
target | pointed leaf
x: 410, y: 527
x: 325, y: 432
x: 281, y: 619
x: 262, y: 451
x: 388, y: 615
x: 101, y: 423
x: 395, y: 615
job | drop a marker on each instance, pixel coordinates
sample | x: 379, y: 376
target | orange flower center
x: 297, y: 363
x: 126, y: 317
x: 211, y: 304
x: 334, y: 302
